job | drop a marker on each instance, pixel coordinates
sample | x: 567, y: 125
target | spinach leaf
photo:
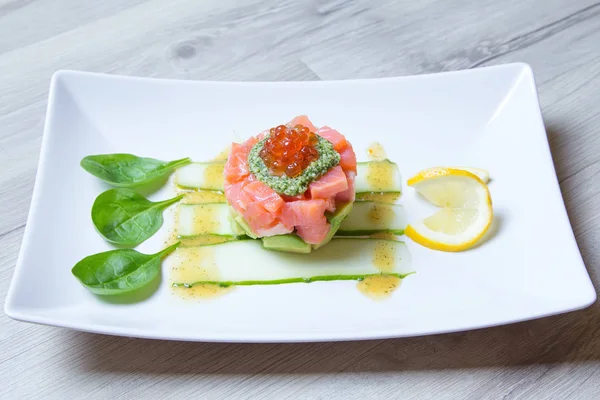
x: 119, y: 271
x: 125, y: 217
x: 127, y: 170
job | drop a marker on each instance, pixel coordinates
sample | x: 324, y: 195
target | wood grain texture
x: 552, y: 358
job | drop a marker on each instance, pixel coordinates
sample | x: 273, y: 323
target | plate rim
x: 233, y: 337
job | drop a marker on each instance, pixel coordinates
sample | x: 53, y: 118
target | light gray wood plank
x: 556, y: 357
x: 50, y: 18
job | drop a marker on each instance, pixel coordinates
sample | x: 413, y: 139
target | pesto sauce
x: 328, y: 158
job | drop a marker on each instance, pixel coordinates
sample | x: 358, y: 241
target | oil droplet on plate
x: 379, y: 287
x: 203, y: 196
x: 384, y: 255
x: 194, y: 264
x: 205, y: 219
x: 213, y: 175
x: 376, y: 152
x: 379, y: 212
x: 380, y: 174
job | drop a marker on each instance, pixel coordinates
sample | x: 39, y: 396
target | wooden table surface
x: 557, y: 357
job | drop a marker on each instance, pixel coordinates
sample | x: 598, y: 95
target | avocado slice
x: 335, y: 221
x: 287, y: 243
x: 237, y: 230
x: 239, y: 224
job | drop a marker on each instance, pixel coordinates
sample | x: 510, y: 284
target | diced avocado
x: 238, y: 222
x: 335, y: 220
x: 287, y: 243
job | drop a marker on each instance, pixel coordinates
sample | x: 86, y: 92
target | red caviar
x: 289, y: 150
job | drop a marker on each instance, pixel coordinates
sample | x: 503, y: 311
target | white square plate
x: 487, y: 118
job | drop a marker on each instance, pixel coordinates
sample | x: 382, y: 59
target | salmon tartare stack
x: 292, y: 179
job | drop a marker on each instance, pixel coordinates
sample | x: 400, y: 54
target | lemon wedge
x: 466, y: 209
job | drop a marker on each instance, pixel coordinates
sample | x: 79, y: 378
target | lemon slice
x: 466, y: 209
x: 481, y: 173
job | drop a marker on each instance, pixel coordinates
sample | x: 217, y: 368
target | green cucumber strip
x: 205, y: 219
x: 368, y: 217
x: 378, y: 176
x: 323, y: 278
x: 247, y: 261
x: 202, y: 176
